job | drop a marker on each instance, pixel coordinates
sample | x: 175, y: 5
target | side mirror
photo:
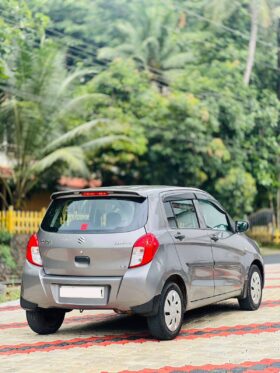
x: 241, y: 226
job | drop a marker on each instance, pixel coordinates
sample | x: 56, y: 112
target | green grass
x: 266, y: 251
x: 271, y: 245
x: 12, y: 293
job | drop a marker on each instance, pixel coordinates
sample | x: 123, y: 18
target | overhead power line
x: 87, y: 53
x: 81, y: 51
x: 226, y: 28
x: 158, y: 79
x: 84, y: 51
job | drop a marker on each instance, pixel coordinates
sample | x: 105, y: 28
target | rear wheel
x: 45, y: 321
x: 254, y: 290
x: 168, y: 322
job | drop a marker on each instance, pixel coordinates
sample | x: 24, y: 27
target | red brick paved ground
x: 218, y: 338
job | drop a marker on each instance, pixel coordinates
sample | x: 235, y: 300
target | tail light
x: 94, y: 194
x: 32, y: 251
x: 144, y: 250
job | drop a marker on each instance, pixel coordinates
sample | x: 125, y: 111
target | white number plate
x: 96, y: 292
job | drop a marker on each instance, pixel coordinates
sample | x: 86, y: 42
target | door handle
x: 179, y: 236
x: 214, y: 237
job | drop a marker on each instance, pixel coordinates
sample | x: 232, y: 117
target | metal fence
x: 263, y: 227
x: 265, y: 234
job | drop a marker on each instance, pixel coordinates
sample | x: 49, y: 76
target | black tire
x: 45, y: 321
x: 248, y: 303
x: 157, y: 324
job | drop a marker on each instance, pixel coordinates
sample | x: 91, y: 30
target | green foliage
x: 237, y: 190
x: 37, y: 122
x: 142, y: 92
x: 5, y: 238
x: 150, y: 38
x: 12, y: 293
x: 6, y: 257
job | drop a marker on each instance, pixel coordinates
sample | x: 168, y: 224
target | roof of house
x: 78, y: 183
x: 6, y: 172
x: 5, y: 165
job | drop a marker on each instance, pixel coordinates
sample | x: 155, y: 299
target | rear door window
x: 181, y: 214
x: 98, y: 215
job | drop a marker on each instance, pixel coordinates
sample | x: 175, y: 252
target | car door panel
x: 227, y: 254
x: 226, y: 247
x: 195, y: 254
x: 194, y: 249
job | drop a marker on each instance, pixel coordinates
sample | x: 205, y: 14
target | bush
x: 5, y: 238
x: 6, y: 257
x: 7, y: 260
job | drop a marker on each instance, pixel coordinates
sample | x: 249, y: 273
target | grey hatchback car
x: 155, y: 251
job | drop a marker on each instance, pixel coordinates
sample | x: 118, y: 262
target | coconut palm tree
x: 150, y: 38
x: 37, y: 104
x: 260, y: 14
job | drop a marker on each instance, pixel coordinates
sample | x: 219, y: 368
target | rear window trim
x: 179, y: 196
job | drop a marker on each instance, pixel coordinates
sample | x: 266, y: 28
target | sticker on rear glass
x: 84, y: 227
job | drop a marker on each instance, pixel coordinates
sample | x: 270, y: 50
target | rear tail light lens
x: 32, y: 251
x: 144, y: 250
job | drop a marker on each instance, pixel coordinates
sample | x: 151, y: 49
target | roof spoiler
x: 96, y: 193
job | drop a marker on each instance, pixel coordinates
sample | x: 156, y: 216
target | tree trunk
x: 252, y: 43
x: 278, y: 95
x: 278, y: 58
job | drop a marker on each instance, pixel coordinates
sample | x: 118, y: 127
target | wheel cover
x: 256, y: 287
x: 172, y: 310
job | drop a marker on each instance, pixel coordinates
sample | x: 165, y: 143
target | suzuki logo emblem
x: 81, y: 240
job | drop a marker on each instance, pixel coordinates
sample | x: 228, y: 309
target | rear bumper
x: 122, y: 293
x: 27, y: 305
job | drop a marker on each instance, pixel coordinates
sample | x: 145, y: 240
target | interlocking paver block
x: 102, y: 341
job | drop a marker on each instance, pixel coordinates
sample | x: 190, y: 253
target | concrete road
x: 271, y: 256
x: 272, y: 259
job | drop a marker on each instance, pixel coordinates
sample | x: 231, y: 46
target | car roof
x: 142, y: 190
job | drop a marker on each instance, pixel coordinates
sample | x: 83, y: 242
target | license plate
x: 96, y: 292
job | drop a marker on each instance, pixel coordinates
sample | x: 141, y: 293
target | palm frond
x: 152, y: 42
x: 107, y: 53
x: 65, y: 84
x: 127, y: 30
x: 178, y: 60
x: 276, y: 12
x: 73, y: 156
x: 104, y: 141
x: 265, y: 13
x: 75, y: 104
x: 7, y: 71
x: 125, y: 49
x: 220, y: 10
x: 81, y: 130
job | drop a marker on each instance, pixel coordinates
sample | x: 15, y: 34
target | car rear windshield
x: 95, y: 215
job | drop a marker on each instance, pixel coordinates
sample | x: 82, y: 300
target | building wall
x: 37, y: 201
